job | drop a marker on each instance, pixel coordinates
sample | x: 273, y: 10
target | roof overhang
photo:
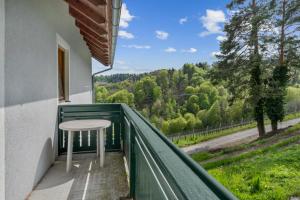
x: 98, y: 21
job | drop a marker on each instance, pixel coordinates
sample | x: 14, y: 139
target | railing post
x: 132, y: 178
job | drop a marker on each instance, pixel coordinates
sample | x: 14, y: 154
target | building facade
x: 31, y: 32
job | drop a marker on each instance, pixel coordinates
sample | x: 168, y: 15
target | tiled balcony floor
x: 86, y: 181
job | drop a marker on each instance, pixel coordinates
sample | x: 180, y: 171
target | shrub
x: 165, y: 127
x: 176, y: 125
x: 190, y: 120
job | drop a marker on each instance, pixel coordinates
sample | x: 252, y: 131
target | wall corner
x: 2, y: 99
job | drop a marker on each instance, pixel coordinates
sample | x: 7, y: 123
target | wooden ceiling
x: 94, y: 19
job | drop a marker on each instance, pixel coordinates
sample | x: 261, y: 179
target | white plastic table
x: 85, y: 125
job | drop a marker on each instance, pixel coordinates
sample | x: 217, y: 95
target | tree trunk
x: 261, y: 127
x: 259, y: 112
x: 256, y: 75
x: 274, y: 124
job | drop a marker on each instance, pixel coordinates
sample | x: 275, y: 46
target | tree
x: 165, y: 127
x: 176, y: 125
x: 192, y: 104
x: 189, y: 70
x: 170, y: 107
x: 157, y: 107
x: 163, y: 81
x: 209, y: 90
x: 202, y: 65
x: 240, y: 61
x: 213, y: 115
x: 101, y: 94
x: 236, y: 111
x: 286, y: 18
x: 122, y: 96
x: 179, y: 80
x: 190, y: 121
x: 146, y: 92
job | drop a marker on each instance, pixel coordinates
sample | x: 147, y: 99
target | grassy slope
x: 272, y: 172
x: 190, y: 140
x: 274, y: 175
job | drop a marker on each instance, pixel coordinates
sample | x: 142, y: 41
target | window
x: 63, y: 69
x: 61, y: 75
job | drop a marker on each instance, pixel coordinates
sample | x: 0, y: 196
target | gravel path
x: 233, y: 139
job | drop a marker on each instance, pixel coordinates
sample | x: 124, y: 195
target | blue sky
x: 159, y: 34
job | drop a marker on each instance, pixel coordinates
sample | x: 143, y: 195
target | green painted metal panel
x: 157, y: 168
x: 87, y: 142
x: 182, y: 178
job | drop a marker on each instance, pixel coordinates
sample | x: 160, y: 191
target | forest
x: 184, y: 99
x: 255, y: 76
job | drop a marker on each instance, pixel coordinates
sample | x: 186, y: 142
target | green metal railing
x: 87, y: 142
x: 157, y: 168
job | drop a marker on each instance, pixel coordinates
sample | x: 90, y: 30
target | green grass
x: 292, y: 129
x: 292, y: 116
x: 270, y: 175
x: 250, y: 154
x: 195, y: 139
x: 202, y: 156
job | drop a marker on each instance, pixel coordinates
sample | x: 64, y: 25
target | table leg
x: 98, y: 143
x: 102, y: 153
x: 70, y: 151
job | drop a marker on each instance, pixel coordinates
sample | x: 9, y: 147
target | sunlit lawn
x: 273, y: 175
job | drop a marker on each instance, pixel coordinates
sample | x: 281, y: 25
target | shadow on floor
x: 86, y: 181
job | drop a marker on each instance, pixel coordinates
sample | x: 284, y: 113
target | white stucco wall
x: 31, y: 92
x: 2, y: 139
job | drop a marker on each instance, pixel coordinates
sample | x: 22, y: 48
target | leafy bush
x: 165, y: 127
x: 176, y: 125
x: 122, y: 96
x: 190, y: 121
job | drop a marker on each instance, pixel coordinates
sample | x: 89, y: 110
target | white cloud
x: 125, y: 35
x: 120, y: 62
x: 183, y: 20
x: 126, y: 17
x: 134, y: 46
x: 221, y: 38
x: 211, y: 22
x: 190, y: 50
x: 170, y: 50
x: 215, y: 53
x: 162, y: 35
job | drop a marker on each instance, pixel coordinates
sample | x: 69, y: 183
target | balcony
x: 156, y: 168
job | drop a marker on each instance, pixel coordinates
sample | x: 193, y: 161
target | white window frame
x: 61, y: 43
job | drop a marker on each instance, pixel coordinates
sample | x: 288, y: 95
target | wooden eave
x: 94, y: 19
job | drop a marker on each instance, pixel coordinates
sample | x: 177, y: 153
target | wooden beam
x: 103, y: 61
x: 92, y: 40
x: 99, y: 60
x: 99, y: 29
x: 89, y: 29
x: 85, y: 20
x: 89, y: 10
x: 94, y: 19
x: 95, y: 49
x: 100, y: 57
x: 95, y: 44
x: 94, y: 36
x: 106, y: 60
x: 98, y: 2
x: 99, y: 50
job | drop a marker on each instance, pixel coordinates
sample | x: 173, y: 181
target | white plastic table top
x: 84, y: 125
